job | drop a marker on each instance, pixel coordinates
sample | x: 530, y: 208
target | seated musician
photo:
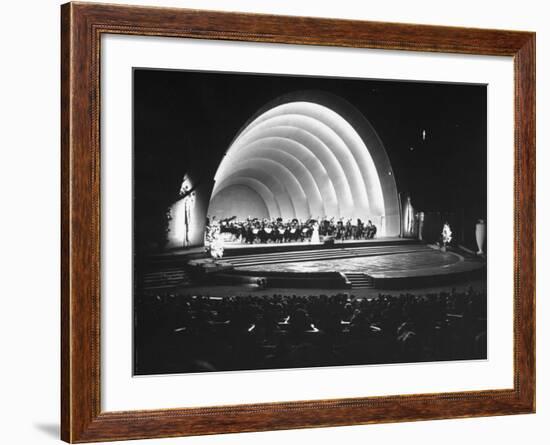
x: 370, y: 230
x: 360, y: 229
x: 247, y: 232
x: 256, y: 228
x: 293, y: 232
x: 340, y: 230
x: 348, y: 231
x: 266, y: 234
x: 281, y: 233
x: 306, y: 232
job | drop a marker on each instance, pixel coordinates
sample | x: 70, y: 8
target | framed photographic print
x: 276, y: 222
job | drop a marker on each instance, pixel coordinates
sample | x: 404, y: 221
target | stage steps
x: 165, y: 278
x: 359, y: 280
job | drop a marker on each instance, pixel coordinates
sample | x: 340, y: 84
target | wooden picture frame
x: 82, y: 25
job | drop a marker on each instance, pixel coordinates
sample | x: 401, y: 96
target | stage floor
x: 371, y: 264
x: 365, y: 264
x: 235, y: 248
x: 380, y: 263
x: 342, y: 243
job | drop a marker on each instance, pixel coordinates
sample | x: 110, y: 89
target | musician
x: 276, y: 230
x: 255, y: 232
x: 370, y: 230
x: 293, y: 232
x: 281, y: 232
x: 340, y: 233
x: 360, y: 229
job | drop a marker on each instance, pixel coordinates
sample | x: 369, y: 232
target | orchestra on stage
x: 277, y: 230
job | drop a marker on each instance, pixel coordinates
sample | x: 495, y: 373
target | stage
x: 386, y: 263
x: 237, y: 248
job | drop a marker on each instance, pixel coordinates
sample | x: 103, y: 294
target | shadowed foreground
x: 181, y: 333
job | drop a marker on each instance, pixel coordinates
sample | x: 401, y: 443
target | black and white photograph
x: 284, y: 221
x: 236, y: 222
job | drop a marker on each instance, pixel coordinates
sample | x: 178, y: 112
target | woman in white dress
x: 315, y: 235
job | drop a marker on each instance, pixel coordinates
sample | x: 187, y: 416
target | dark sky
x: 184, y: 118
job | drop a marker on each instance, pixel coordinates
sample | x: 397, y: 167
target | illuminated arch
x: 307, y: 160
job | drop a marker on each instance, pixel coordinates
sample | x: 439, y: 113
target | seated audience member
x: 194, y: 333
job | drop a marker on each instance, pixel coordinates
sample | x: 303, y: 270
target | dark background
x: 186, y: 120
